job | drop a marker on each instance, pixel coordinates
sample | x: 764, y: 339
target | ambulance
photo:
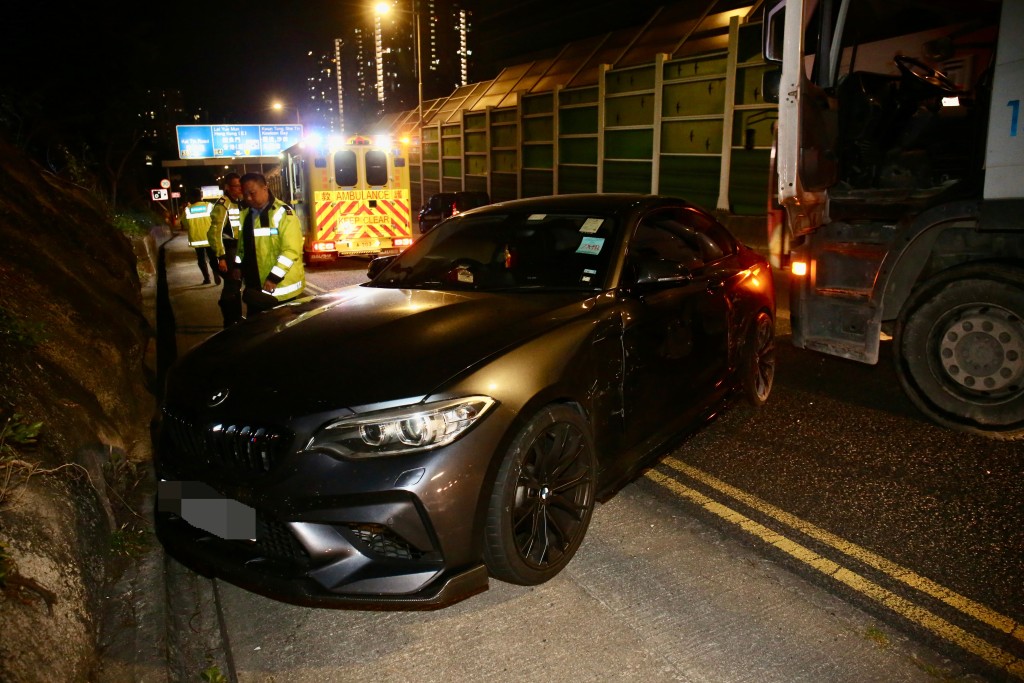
x: 352, y: 197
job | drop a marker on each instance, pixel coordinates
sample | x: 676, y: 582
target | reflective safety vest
x: 196, y: 217
x: 278, y: 240
x: 226, y: 222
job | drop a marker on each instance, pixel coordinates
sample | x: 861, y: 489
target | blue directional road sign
x: 223, y: 141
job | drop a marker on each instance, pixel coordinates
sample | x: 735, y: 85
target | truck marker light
x: 798, y: 268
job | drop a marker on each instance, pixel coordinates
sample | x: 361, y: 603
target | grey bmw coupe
x: 395, y: 443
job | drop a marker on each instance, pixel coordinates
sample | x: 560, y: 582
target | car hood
x: 360, y: 346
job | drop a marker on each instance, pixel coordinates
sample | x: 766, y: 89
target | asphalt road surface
x: 833, y: 535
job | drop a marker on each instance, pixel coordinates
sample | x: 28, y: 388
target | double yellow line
x: 905, y: 608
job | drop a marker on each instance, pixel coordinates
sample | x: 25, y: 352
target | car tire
x: 543, y: 498
x: 959, y: 351
x: 758, y: 367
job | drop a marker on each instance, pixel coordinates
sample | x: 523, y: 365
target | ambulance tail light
x: 798, y: 268
x: 402, y: 242
x: 323, y: 246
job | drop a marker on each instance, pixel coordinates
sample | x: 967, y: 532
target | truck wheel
x: 960, y: 351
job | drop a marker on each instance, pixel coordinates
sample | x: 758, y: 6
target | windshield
x: 508, y: 252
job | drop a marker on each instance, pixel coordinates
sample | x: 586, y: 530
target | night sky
x: 234, y: 58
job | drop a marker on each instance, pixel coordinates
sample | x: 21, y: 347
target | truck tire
x: 959, y: 350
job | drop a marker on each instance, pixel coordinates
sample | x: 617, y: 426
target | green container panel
x: 538, y: 104
x: 578, y: 121
x: 748, y: 84
x: 695, y: 179
x: 537, y: 183
x: 431, y: 187
x: 476, y: 165
x: 431, y: 152
x: 476, y: 184
x: 693, y: 68
x: 754, y: 128
x: 503, y: 187
x: 414, y: 174
x: 452, y: 147
x: 692, y: 137
x: 451, y: 184
x: 504, y: 162
x: 627, y: 176
x: 633, y: 110
x: 578, y: 150
x: 474, y: 121
x: 476, y: 142
x: 629, y: 144
x: 538, y: 156
x: 452, y: 168
x: 629, y: 80
x: 581, y: 96
x: 577, y: 179
x: 503, y: 136
x: 539, y: 129
x: 431, y: 172
x: 748, y: 182
x: 454, y: 130
x: 698, y: 98
x: 504, y: 116
x: 431, y: 134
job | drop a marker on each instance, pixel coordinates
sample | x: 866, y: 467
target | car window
x: 509, y: 252
x: 376, y: 168
x: 345, y: 172
x: 684, y: 236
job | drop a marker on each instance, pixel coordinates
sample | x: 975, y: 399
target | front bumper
x: 387, y: 533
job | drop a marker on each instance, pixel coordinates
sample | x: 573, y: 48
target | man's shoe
x: 216, y: 278
x: 206, y: 281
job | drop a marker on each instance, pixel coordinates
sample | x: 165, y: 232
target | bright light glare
x: 799, y: 268
x: 951, y: 101
x: 382, y: 8
x: 335, y: 141
x: 383, y: 140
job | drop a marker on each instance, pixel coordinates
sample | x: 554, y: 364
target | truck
x: 351, y: 196
x: 898, y: 179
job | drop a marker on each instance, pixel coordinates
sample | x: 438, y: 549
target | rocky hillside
x: 73, y: 343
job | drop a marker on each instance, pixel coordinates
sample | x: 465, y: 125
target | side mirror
x: 770, y: 81
x: 378, y: 264
x: 654, y: 271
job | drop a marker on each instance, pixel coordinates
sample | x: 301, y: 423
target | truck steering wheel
x: 933, y: 78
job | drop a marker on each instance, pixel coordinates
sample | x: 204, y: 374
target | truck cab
x: 899, y: 162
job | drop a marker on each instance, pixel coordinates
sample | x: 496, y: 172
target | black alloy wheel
x: 543, y: 498
x: 759, y: 363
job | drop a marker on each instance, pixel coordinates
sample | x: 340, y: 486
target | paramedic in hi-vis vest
x: 269, y: 248
x: 196, y: 219
x: 224, y: 228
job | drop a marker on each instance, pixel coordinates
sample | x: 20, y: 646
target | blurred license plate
x: 369, y: 243
x: 204, y: 508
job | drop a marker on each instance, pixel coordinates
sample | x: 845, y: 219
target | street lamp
x: 278, y: 106
x: 382, y: 9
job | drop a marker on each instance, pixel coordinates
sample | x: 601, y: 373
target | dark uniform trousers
x: 230, y: 301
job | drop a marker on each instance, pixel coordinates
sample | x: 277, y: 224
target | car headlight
x: 401, y: 430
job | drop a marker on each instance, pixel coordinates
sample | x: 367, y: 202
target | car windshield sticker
x: 590, y: 271
x: 591, y: 225
x: 537, y: 217
x: 585, y: 279
x: 591, y: 245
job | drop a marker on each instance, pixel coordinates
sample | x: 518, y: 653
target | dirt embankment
x: 73, y: 345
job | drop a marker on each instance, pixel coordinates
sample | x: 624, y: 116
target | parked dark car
x: 394, y: 443
x: 447, y: 204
